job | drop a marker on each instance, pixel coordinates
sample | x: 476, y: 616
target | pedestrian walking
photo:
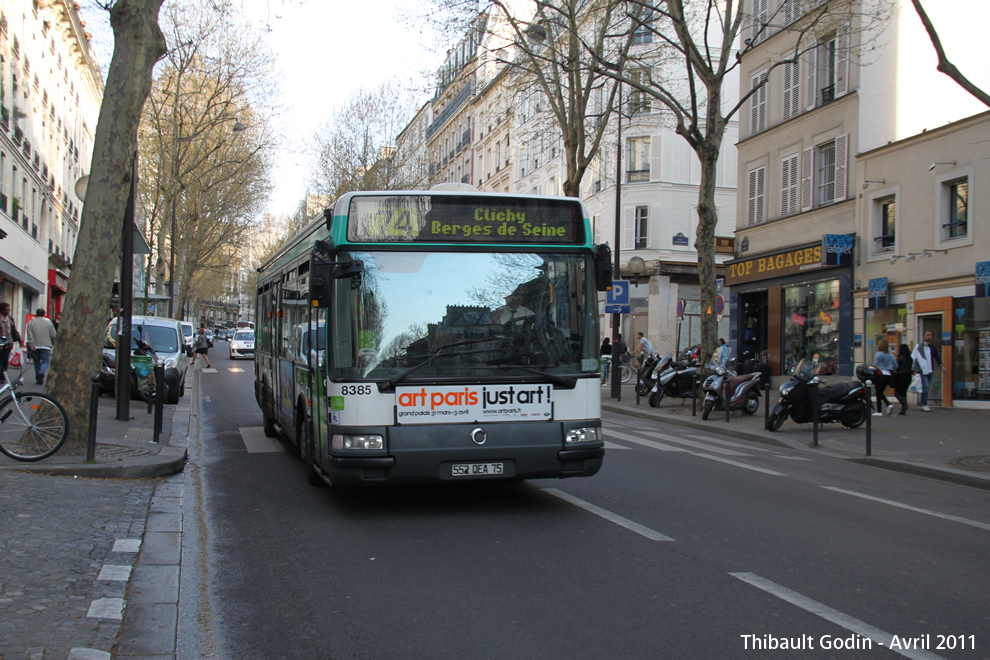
x: 925, y: 358
x: 606, y: 353
x: 8, y: 330
x: 887, y: 364
x: 40, y: 335
x: 202, y: 345
x: 902, y: 378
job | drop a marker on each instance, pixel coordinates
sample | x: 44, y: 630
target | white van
x: 188, y: 334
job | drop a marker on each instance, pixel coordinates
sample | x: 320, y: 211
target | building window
x: 886, y: 225
x: 641, y: 226
x: 826, y: 173
x: 639, y: 101
x: 643, y: 34
x: 792, y: 90
x: 757, y: 189
x: 957, y: 218
x: 789, y: 186
x: 811, y: 325
x: 761, y: 16
x: 638, y: 159
x: 827, y: 52
x: 758, y: 104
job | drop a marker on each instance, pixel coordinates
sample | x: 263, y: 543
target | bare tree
x: 206, y: 131
x: 696, y: 48
x: 944, y: 65
x: 356, y: 148
x: 138, y: 44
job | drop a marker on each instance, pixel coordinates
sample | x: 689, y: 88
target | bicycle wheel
x: 626, y: 374
x: 32, y: 428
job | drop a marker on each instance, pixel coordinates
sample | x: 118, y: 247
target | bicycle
x: 33, y: 425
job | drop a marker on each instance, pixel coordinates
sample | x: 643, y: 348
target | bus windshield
x: 439, y: 315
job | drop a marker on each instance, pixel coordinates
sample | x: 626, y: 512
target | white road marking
x: 609, y: 516
x: 793, y: 458
x: 114, y: 573
x: 235, y: 370
x: 824, y: 611
x: 106, y: 608
x: 663, y: 447
x: 209, y: 370
x: 927, y: 512
x: 126, y: 545
x: 641, y: 441
x: 698, y: 445
x: 729, y: 443
x: 612, y: 445
x: 256, y: 442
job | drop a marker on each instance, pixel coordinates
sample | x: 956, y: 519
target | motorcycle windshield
x: 806, y: 369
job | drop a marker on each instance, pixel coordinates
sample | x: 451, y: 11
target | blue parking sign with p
x: 619, y: 294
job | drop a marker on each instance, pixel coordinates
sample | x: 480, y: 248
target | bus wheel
x: 269, y: 423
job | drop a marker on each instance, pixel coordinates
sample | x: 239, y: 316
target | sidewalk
x: 951, y: 444
x: 88, y: 553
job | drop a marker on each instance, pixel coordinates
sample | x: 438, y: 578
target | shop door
x: 933, y: 324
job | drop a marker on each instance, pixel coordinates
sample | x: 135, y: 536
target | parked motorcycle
x: 673, y: 379
x: 842, y: 402
x: 645, y: 377
x: 143, y: 361
x: 727, y: 389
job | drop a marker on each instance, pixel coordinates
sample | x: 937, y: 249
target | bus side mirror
x: 603, y: 267
x: 320, y: 278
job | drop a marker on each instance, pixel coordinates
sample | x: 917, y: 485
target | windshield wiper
x: 390, y: 384
x: 567, y: 382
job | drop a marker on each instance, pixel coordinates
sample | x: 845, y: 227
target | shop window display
x: 811, y: 325
x: 971, y: 349
x: 889, y: 323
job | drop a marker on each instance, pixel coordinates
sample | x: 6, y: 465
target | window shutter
x: 760, y: 18
x: 651, y: 231
x: 841, y: 166
x: 806, y: 179
x: 655, y: 158
x: 757, y: 183
x: 629, y: 229
x: 842, y: 61
x: 789, y: 185
x: 792, y: 89
x: 811, y: 61
x: 758, y: 105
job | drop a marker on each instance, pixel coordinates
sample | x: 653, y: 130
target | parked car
x: 166, y: 338
x: 188, y: 333
x: 242, y: 344
x: 221, y: 333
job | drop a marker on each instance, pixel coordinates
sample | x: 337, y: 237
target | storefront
x: 971, y: 350
x: 792, y: 305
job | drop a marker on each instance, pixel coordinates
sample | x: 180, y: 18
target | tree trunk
x: 138, y: 43
x: 705, y: 245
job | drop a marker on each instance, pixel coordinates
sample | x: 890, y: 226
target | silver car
x: 165, y: 337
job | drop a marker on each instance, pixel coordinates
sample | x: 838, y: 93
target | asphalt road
x: 685, y: 545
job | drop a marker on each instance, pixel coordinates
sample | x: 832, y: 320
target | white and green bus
x: 431, y: 336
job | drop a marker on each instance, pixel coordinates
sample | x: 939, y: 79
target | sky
x: 326, y: 51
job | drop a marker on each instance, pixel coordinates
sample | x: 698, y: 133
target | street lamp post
x: 616, y: 318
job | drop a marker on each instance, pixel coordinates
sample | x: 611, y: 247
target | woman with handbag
x: 902, y: 377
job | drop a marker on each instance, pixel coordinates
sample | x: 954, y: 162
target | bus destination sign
x: 454, y: 219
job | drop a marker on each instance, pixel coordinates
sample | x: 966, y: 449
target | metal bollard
x: 94, y: 410
x: 766, y: 407
x: 694, y: 395
x: 869, y: 418
x: 159, y: 401
x: 725, y: 396
x: 814, y: 413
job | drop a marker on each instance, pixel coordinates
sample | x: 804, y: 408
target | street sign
x: 680, y: 309
x: 616, y: 309
x: 619, y: 294
x: 719, y: 304
x: 718, y: 286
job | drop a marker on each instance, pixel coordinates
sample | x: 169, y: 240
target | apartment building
x: 51, y: 91
x: 840, y: 80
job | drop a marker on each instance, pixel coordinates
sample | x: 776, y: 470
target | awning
x: 13, y: 272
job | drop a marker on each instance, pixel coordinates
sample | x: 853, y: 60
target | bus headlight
x: 586, y: 434
x: 339, y: 441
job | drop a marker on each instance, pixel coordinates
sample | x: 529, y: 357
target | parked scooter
x: 645, y: 377
x: 143, y: 361
x: 842, y: 402
x: 673, y: 379
x: 742, y: 391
